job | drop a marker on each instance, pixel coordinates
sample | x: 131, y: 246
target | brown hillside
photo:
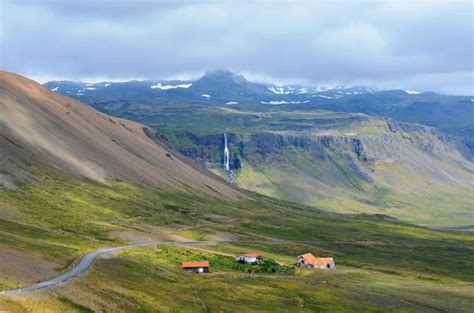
x: 39, y: 127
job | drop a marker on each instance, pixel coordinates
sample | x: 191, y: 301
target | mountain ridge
x: 224, y: 88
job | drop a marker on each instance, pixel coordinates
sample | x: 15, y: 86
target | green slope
x: 337, y: 161
x: 382, y: 265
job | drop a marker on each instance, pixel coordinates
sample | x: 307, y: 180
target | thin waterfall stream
x: 232, y: 175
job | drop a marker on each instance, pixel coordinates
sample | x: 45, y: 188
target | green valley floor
x: 382, y: 265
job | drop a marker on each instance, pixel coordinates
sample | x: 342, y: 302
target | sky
x: 416, y: 45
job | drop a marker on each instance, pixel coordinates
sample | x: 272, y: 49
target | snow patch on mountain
x: 279, y: 90
x: 278, y: 102
x: 325, y: 97
x: 168, y: 87
x: 274, y: 102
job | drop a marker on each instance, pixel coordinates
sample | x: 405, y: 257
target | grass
x: 173, y: 256
x: 394, y: 266
x: 76, y: 307
x: 331, y: 181
x: 346, y: 289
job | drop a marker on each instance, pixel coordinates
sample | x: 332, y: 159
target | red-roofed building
x: 196, y: 267
x: 310, y: 261
x: 249, y: 258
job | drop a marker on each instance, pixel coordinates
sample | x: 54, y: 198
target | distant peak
x: 219, y: 72
x: 224, y: 74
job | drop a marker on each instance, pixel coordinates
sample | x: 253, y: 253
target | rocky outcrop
x: 391, y: 146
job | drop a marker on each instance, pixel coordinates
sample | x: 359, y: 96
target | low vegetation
x: 381, y: 264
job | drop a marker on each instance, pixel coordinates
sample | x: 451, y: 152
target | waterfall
x: 226, y: 154
x: 232, y: 175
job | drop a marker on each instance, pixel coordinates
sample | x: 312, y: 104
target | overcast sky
x: 424, y: 45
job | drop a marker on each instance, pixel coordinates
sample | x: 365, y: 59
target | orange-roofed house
x: 249, y: 258
x: 310, y: 261
x: 196, y: 266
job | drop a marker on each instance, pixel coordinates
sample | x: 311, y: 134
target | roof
x: 195, y: 264
x: 309, y: 258
x: 320, y: 261
x: 251, y: 255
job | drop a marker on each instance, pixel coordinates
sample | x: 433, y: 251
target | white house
x: 249, y: 258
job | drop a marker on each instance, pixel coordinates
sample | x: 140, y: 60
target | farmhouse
x: 196, y: 267
x: 249, y: 258
x: 310, y: 261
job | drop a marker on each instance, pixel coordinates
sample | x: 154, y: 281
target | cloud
x: 408, y: 44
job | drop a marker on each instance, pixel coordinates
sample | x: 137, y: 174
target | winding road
x: 83, y: 265
x: 87, y: 260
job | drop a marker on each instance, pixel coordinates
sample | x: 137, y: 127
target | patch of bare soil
x: 24, y: 267
x: 221, y: 236
x: 136, y: 236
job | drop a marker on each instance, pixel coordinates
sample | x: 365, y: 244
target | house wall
x: 197, y: 269
x: 333, y: 265
x: 250, y: 260
x: 300, y: 262
x: 246, y: 259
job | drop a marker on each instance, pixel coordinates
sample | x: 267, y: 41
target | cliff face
x: 378, y: 166
x: 391, y: 146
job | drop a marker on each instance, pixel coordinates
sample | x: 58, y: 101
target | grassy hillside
x: 336, y: 161
x: 381, y: 265
x: 333, y: 184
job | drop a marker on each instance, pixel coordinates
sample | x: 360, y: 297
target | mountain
x: 451, y: 114
x: 124, y: 90
x: 225, y: 85
x: 42, y: 128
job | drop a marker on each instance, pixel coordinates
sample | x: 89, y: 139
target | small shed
x: 249, y: 258
x: 310, y: 261
x: 196, y: 266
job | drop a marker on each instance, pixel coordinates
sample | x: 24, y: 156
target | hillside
x: 68, y: 189
x: 350, y: 164
x: 40, y: 127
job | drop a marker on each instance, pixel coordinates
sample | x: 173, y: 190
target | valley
x: 59, y: 218
x: 75, y: 180
x: 236, y: 156
x: 352, y: 150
